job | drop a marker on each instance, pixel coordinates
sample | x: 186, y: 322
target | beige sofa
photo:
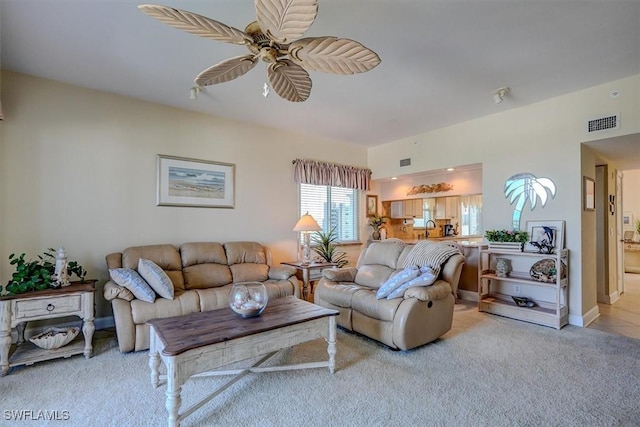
x: 202, y: 274
x: 422, y: 315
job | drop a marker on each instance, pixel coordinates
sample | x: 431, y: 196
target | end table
x: 16, y: 310
x: 306, y: 268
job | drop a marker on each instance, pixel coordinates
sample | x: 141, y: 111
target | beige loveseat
x: 420, y: 316
x: 202, y: 274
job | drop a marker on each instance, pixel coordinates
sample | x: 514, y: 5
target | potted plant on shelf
x: 325, y: 246
x: 36, y: 275
x: 376, y: 222
x: 507, y: 239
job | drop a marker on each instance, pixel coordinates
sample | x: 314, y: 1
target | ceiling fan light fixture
x: 500, y: 93
x: 276, y: 38
x: 194, y: 91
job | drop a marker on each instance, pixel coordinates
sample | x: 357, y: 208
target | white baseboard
x: 467, y: 295
x: 584, y: 321
x: 609, y: 299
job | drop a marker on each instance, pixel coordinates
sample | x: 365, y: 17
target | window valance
x: 332, y: 174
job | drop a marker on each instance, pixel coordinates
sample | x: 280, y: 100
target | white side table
x: 16, y: 310
x: 306, y: 268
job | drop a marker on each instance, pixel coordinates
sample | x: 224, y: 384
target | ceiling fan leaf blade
x: 285, y: 20
x: 196, y: 24
x: 226, y: 70
x: 333, y: 55
x: 289, y: 80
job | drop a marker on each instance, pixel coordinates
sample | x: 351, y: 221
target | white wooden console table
x: 16, y: 310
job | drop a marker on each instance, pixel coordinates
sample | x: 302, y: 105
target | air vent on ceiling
x: 405, y: 162
x: 603, y: 123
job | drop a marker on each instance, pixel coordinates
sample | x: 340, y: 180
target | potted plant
x: 324, y: 245
x: 376, y: 222
x: 507, y: 239
x: 36, y: 275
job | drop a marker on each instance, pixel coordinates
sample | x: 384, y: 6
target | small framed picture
x: 589, y: 194
x: 372, y: 205
x: 545, y: 236
x: 195, y: 183
x: 627, y: 220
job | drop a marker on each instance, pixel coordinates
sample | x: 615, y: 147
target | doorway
x: 620, y: 309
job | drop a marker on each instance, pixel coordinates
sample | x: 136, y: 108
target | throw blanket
x: 431, y: 254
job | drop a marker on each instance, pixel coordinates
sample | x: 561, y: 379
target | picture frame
x: 627, y: 221
x: 372, y: 205
x: 181, y: 181
x: 541, y: 232
x: 588, y: 193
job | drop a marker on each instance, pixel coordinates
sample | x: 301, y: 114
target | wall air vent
x: 603, y: 123
x: 405, y: 162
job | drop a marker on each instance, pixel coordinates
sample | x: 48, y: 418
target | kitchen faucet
x: 426, y: 227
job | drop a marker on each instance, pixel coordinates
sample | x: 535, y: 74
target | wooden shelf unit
x: 553, y: 313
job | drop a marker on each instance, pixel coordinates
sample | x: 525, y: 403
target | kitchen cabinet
x: 452, y: 207
x: 397, y: 210
x: 448, y: 207
x: 410, y: 208
x: 441, y: 208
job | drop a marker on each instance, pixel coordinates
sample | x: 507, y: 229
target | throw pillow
x: 156, y: 278
x: 396, y: 280
x: 426, y: 278
x: 131, y: 280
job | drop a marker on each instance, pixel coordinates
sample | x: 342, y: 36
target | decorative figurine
x: 60, y: 275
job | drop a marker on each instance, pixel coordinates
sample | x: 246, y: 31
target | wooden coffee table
x: 197, y: 343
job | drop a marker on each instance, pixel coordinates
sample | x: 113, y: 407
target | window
x: 471, y: 215
x: 428, y: 213
x: 332, y: 207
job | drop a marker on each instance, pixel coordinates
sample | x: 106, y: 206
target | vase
x: 248, y: 299
x: 375, y: 235
x: 503, y: 267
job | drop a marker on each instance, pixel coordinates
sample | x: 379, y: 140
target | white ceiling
x: 441, y: 60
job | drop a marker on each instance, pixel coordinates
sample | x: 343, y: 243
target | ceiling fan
x: 276, y: 39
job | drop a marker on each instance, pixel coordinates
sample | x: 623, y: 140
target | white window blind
x: 331, y: 207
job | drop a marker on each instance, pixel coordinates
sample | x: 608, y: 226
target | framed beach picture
x: 545, y: 236
x: 195, y: 183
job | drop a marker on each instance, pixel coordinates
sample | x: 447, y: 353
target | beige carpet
x: 487, y: 371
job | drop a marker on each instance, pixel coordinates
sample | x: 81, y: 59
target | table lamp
x: 306, y: 224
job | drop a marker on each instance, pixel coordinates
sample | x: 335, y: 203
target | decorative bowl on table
x: 523, y: 302
x: 54, y: 338
x: 248, y: 299
x: 545, y: 270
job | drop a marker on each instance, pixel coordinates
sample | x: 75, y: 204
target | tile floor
x: 622, y: 317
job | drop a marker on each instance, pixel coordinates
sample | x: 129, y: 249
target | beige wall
x: 630, y: 194
x: 464, y: 183
x: 544, y: 139
x: 78, y: 167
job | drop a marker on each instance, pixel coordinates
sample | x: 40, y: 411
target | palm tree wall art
x: 526, y: 187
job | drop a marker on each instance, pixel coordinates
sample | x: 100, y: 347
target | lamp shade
x: 307, y: 223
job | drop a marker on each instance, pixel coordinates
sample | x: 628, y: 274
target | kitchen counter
x: 632, y: 257
x: 463, y: 240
